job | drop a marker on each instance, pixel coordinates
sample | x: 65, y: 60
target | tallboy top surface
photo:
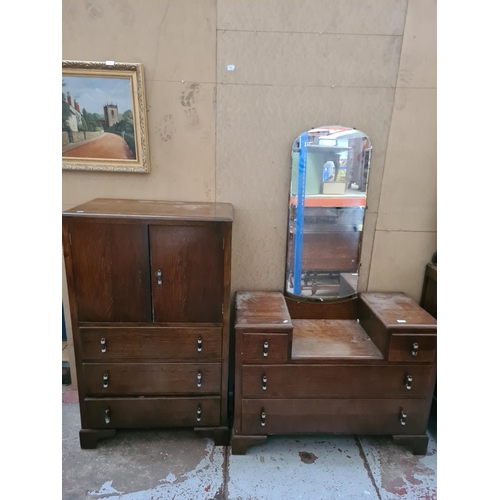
x: 153, y: 209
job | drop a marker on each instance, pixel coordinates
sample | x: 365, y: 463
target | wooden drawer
x: 151, y: 379
x: 265, y: 348
x: 402, y: 346
x: 150, y: 344
x: 344, y: 416
x: 336, y: 381
x: 152, y: 412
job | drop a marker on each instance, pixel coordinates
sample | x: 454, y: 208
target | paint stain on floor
x: 188, y: 485
x: 399, y: 473
x: 307, y: 458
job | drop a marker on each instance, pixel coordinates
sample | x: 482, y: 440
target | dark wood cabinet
x: 111, y: 271
x: 190, y: 262
x: 362, y: 366
x: 149, y: 286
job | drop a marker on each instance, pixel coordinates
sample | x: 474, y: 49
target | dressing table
x: 320, y: 357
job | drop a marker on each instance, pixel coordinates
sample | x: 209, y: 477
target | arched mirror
x: 330, y: 167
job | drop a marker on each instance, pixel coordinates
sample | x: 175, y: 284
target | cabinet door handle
x: 198, y: 413
x: 159, y: 277
x: 264, y: 382
x: 105, y: 379
x: 409, y: 380
x: 198, y: 379
x: 414, y: 349
x: 200, y: 343
x: 263, y: 418
x: 265, y: 349
x: 107, y: 416
x: 402, y: 417
x: 103, y: 345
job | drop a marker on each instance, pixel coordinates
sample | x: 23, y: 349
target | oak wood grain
x: 125, y: 413
x: 253, y: 348
x: 159, y: 209
x: 111, y: 271
x: 401, y: 348
x: 346, y: 416
x: 307, y: 309
x: 151, y: 379
x: 331, y: 339
x: 398, y: 312
x: 336, y: 381
x: 142, y: 358
x: 150, y: 344
x: 261, y: 309
x: 191, y: 261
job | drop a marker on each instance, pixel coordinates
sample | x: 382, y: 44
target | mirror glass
x: 330, y: 167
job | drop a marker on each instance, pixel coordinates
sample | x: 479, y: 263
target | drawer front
x: 343, y: 416
x: 336, y: 381
x: 414, y: 348
x: 150, y: 344
x: 127, y: 413
x: 265, y: 348
x: 151, y: 379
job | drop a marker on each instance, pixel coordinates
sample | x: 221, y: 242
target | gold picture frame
x: 112, y: 134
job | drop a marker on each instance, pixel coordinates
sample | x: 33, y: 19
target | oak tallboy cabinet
x: 149, y: 285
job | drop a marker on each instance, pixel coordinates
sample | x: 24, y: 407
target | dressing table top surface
x: 331, y: 339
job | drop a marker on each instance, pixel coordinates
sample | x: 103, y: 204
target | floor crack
x: 367, y: 465
x: 225, y: 475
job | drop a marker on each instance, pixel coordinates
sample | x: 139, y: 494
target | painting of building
x: 93, y: 127
x: 110, y: 115
x: 75, y: 117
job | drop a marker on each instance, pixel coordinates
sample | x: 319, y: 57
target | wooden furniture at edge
x: 428, y: 301
x: 361, y: 366
x: 149, y: 292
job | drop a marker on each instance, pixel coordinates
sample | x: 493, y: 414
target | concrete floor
x: 168, y: 465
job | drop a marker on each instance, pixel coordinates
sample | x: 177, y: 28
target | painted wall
x: 219, y: 135
x: 175, y: 40
x: 406, y: 227
x: 368, y: 64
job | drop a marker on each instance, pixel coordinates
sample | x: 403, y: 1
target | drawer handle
x: 264, y: 382
x: 402, y: 417
x: 105, y: 379
x: 198, y: 413
x: 200, y: 342
x: 263, y: 418
x: 198, y: 379
x: 266, y: 348
x: 103, y: 345
x: 414, y: 350
x: 107, y: 416
x: 409, y: 380
x: 159, y: 277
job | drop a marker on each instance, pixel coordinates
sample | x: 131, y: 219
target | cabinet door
x: 111, y: 271
x: 190, y: 260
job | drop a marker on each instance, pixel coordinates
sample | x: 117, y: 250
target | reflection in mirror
x: 326, y: 211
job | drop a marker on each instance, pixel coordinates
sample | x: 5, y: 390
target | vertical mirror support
x: 299, y: 222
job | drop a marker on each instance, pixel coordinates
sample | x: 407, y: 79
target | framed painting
x: 104, y: 123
